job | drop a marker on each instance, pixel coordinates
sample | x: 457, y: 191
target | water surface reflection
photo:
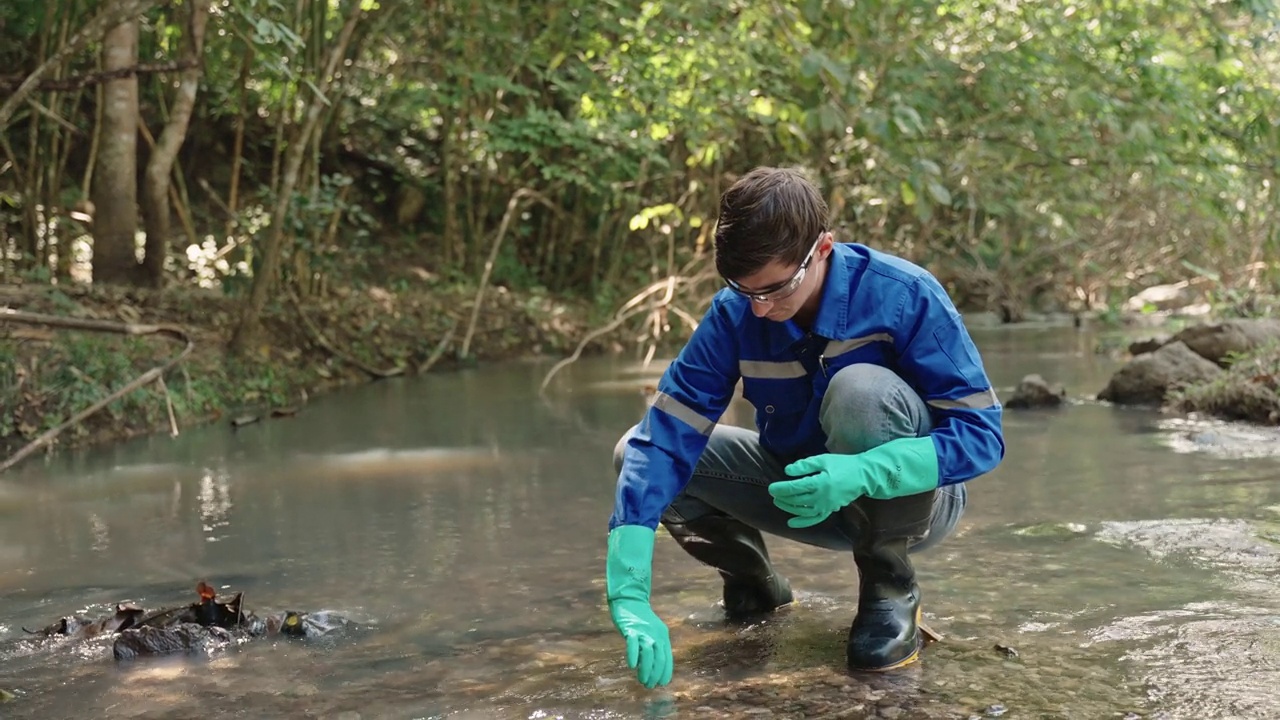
x: 461, y: 520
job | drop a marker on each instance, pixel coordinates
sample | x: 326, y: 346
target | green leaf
x: 929, y: 167
x: 812, y: 12
x: 812, y: 64
x: 828, y: 118
x: 939, y: 192
x: 908, y: 193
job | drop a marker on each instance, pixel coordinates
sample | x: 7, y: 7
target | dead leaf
x: 129, y: 314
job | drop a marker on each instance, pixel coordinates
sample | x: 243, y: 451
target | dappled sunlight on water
x: 460, y: 520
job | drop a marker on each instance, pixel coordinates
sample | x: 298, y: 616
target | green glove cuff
x: 628, y: 569
x: 909, y: 467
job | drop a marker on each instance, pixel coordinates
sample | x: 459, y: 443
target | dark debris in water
x: 202, y: 627
x: 1006, y: 650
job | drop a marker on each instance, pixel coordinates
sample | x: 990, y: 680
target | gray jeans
x: 864, y: 406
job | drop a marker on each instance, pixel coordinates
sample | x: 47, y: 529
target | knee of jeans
x: 867, y: 405
x: 620, y: 447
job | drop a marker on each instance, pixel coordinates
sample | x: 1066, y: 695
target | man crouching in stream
x: 872, y: 405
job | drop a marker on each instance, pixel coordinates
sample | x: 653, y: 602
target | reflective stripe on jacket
x: 876, y: 308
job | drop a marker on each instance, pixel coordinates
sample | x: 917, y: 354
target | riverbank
x: 48, y: 374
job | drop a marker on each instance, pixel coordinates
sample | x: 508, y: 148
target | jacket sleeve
x: 940, y: 360
x: 659, y: 457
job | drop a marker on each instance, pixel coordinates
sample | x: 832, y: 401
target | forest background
x: 305, y: 193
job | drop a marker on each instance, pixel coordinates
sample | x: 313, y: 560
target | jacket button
x: 768, y: 409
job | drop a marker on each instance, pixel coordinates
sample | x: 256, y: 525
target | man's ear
x: 826, y: 246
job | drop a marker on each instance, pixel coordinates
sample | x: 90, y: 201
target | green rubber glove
x: 898, y: 468
x: 627, y: 586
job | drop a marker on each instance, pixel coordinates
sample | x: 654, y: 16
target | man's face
x: 778, y: 291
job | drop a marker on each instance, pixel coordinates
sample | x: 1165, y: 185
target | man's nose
x: 761, y: 307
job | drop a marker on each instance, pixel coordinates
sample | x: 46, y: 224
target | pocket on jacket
x: 778, y: 401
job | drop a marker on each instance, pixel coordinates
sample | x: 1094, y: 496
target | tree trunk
x: 155, y: 189
x: 249, y: 328
x: 115, y: 187
x: 454, y: 250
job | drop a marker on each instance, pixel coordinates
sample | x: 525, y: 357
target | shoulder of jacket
x: 894, y: 268
x: 730, y: 306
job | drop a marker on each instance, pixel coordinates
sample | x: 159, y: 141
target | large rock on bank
x: 1148, y: 378
x: 1221, y: 342
x: 1194, y: 355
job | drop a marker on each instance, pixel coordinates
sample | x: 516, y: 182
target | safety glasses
x: 784, y: 289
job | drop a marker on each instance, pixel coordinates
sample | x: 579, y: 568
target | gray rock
x: 1147, y: 345
x: 1218, y: 342
x: 1148, y: 378
x: 1034, y: 392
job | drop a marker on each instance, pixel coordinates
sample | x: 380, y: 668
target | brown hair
x: 768, y: 214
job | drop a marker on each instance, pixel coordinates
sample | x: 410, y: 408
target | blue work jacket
x: 876, y: 308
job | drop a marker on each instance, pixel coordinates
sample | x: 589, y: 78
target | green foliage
x: 1027, y: 153
x: 77, y: 370
x: 21, y: 19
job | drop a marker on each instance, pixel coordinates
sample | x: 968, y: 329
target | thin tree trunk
x: 59, y: 155
x: 37, y: 227
x: 156, y: 182
x: 115, y: 193
x: 449, y: 169
x: 237, y: 152
x: 250, y: 325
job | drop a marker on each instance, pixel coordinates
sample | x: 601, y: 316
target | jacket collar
x: 833, y: 311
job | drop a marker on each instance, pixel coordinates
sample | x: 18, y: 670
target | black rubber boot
x: 737, y: 551
x: 886, y: 631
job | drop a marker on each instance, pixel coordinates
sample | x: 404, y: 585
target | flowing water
x: 1117, y: 564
